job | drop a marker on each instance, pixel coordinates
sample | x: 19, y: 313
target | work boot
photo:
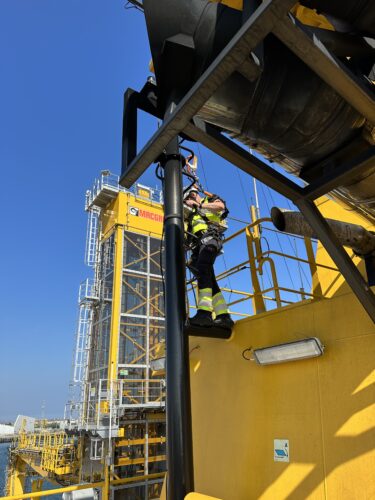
x: 202, y: 318
x: 224, y: 321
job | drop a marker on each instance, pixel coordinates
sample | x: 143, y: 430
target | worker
x: 204, y: 223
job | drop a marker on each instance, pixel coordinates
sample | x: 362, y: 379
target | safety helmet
x: 189, y: 191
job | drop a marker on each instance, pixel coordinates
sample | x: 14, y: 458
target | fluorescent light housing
x: 292, y: 351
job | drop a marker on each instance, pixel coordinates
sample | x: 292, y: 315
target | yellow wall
x: 148, y: 221
x: 324, y: 406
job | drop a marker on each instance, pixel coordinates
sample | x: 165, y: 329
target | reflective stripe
x: 219, y: 304
x: 205, y: 307
x: 217, y: 298
x: 224, y: 310
x: 205, y: 299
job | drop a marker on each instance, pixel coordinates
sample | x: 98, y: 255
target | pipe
x: 180, y: 479
x: 349, y: 235
x: 87, y: 494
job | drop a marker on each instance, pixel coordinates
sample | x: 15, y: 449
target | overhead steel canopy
x: 270, y: 17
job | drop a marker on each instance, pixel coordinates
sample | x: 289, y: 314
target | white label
x: 281, y: 450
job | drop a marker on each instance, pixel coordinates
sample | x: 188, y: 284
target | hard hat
x: 189, y: 191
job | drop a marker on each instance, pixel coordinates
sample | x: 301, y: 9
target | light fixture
x: 291, y: 351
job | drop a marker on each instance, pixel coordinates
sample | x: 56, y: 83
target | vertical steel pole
x: 179, y: 432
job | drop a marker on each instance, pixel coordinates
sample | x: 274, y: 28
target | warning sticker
x: 281, y: 450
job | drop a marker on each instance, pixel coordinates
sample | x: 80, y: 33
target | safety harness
x: 206, y: 228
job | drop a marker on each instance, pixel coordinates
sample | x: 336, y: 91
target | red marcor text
x: 151, y: 215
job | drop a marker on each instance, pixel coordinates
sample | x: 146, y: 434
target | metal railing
x: 148, y: 193
x: 103, y: 485
x: 88, y: 295
x: 141, y: 392
x: 72, y: 414
x: 54, y: 452
x: 88, y: 290
x: 268, y: 261
x: 107, y: 400
x: 107, y: 181
x: 92, y: 236
x: 110, y: 182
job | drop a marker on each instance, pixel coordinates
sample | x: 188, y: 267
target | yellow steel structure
x: 52, y: 455
x: 136, y: 214
x: 323, y: 407
x: 84, y: 486
x: 131, y: 226
x: 57, y: 451
x: 124, y: 336
x: 16, y: 478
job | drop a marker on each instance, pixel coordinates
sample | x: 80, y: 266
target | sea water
x: 3, y: 463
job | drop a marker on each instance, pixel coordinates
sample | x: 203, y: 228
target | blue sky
x: 65, y: 66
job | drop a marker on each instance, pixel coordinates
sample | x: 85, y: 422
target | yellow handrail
x: 85, y: 486
x: 257, y: 259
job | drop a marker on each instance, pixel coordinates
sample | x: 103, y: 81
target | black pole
x: 179, y: 433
